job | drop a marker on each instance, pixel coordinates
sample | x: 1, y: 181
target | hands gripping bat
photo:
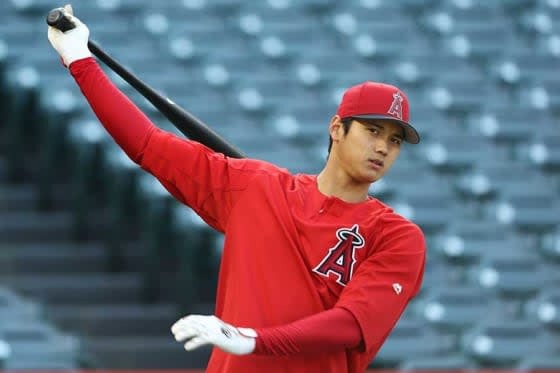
x: 188, y: 124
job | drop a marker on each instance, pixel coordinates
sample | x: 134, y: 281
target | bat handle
x: 57, y: 19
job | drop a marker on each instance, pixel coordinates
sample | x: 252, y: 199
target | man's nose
x: 381, y: 146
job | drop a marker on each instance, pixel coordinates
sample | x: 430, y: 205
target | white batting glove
x: 72, y: 44
x: 201, y: 330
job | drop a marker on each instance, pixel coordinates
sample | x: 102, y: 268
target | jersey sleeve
x: 208, y: 182
x: 385, y: 282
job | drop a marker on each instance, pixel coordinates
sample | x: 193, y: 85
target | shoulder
x: 392, y: 226
x: 388, y: 217
x: 261, y: 171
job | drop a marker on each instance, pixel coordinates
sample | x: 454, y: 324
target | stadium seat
x: 545, y: 309
x: 533, y: 67
x: 514, y: 7
x: 503, y: 344
x: 548, y: 45
x: 454, y: 309
x: 218, y: 7
x: 411, y: 339
x: 515, y: 277
x: 303, y: 126
x: 454, y: 153
x: 428, y: 65
x: 455, y: 363
x: 466, y: 251
x: 35, y: 345
x: 539, y: 363
x: 258, y: 20
x: 541, y: 152
x: 13, y: 307
x: 549, y: 247
x: 415, y: 7
x: 461, y: 95
x: 437, y: 273
x: 508, y: 126
x: 428, y: 202
x: 492, y: 180
x: 538, y: 20
x: 528, y: 211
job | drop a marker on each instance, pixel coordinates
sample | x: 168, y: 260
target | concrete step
x: 52, y: 257
x: 83, y: 288
x: 115, y: 319
x: 17, y: 197
x: 3, y: 170
x: 145, y: 352
x: 21, y: 226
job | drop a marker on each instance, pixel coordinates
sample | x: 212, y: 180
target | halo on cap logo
x: 396, y: 106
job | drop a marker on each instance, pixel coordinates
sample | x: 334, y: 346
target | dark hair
x: 346, y: 123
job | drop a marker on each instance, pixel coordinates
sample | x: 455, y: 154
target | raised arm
x: 206, y: 181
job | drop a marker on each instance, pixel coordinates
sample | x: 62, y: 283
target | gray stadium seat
x: 545, y: 309
x: 515, y: 278
x: 13, y: 307
x: 542, y: 152
x: 509, y: 125
x: 549, y: 246
x: 539, y: 363
x: 495, y: 179
x: 456, y: 363
x: 503, y: 344
x: 437, y: 273
x: 454, y: 309
x: 466, y: 251
x: 32, y: 344
x: 454, y: 153
x: 532, y: 211
x: 411, y: 339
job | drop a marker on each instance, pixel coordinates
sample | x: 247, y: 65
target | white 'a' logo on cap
x: 396, y: 106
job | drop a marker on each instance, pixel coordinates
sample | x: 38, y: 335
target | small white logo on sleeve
x: 397, y: 288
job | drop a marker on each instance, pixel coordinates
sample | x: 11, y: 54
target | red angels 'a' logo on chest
x: 341, y: 258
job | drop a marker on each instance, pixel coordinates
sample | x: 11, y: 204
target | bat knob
x: 57, y: 19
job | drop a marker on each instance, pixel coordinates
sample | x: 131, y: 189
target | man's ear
x: 336, y: 130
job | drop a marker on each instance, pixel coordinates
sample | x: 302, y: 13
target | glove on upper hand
x: 71, y: 45
x: 201, y: 330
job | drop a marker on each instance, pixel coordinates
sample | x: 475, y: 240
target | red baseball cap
x: 373, y: 100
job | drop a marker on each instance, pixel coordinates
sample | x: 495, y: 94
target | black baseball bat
x: 187, y: 123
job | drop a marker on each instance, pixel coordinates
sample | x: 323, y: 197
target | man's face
x: 369, y: 148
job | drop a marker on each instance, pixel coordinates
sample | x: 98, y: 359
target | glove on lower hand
x: 200, y: 330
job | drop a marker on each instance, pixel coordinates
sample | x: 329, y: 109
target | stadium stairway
x: 81, y: 296
x: 75, y: 279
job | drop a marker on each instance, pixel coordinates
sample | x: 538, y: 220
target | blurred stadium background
x: 97, y: 261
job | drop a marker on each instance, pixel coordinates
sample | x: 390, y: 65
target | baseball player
x: 315, y: 273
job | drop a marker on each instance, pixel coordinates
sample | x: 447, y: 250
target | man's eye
x: 397, y: 141
x: 373, y: 130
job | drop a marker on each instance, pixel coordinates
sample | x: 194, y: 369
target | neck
x: 332, y: 181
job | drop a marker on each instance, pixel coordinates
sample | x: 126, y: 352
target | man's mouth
x: 377, y: 162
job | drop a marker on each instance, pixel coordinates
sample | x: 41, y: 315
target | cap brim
x: 410, y: 134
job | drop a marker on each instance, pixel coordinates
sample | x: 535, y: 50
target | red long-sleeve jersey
x: 289, y: 251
